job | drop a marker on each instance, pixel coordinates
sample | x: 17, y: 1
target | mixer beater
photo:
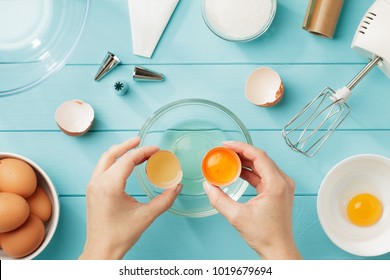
x: 308, y: 130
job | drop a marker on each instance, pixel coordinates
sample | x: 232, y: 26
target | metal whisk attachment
x: 308, y: 131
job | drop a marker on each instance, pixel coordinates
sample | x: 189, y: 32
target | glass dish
x: 38, y: 39
x: 189, y: 128
x: 262, y: 29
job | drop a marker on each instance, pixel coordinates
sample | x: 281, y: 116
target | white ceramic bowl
x: 364, y: 173
x: 51, y: 225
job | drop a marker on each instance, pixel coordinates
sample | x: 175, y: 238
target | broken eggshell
x: 163, y: 170
x: 74, y: 117
x: 264, y: 87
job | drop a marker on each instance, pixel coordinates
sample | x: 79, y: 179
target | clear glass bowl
x: 217, y: 30
x: 189, y: 128
x: 36, y: 39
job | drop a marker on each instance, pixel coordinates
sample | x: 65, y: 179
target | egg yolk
x: 364, y: 210
x: 220, y: 166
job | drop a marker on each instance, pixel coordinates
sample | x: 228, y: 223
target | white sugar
x: 238, y: 19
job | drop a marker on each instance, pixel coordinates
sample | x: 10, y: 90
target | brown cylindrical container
x: 322, y: 16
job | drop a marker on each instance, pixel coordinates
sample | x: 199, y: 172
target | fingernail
x: 206, y: 186
x: 228, y: 142
x: 179, y: 188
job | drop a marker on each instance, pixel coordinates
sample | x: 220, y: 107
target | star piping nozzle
x: 143, y: 74
x: 110, y: 62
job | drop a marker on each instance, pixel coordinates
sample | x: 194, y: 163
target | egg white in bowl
x: 51, y: 224
x: 356, y: 175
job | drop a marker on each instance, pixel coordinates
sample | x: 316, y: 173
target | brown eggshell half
x: 74, y: 117
x: 163, y: 170
x: 264, y: 87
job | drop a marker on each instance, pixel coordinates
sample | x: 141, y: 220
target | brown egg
x: 25, y: 239
x: 14, y: 211
x: 40, y: 204
x: 17, y: 176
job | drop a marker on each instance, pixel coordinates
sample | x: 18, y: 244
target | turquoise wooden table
x: 198, y: 64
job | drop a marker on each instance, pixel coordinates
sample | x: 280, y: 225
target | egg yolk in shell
x: 364, y: 210
x: 221, y: 166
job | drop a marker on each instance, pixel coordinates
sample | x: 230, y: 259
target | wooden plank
x: 224, y: 84
x: 175, y: 237
x: 188, y: 40
x: 198, y: 64
x: 70, y: 161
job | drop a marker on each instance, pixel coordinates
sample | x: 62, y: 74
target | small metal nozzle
x: 109, y: 63
x: 143, y: 74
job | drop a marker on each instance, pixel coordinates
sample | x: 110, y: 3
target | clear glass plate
x: 36, y: 39
x: 189, y: 128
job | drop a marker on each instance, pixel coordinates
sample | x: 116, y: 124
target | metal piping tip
x: 143, y: 74
x: 109, y: 63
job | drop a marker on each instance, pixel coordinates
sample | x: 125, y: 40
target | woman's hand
x: 115, y: 220
x: 265, y: 221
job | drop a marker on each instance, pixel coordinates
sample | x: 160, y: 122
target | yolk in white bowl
x: 364, y: 210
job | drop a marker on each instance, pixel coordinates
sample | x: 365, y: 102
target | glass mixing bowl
x: 189, y: 128
x: 36, y: 39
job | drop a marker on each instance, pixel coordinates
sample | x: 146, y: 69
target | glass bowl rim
x: 183, y: 102
x: 61, y: 63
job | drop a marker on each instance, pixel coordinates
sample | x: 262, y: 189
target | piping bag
x: 148, y: 20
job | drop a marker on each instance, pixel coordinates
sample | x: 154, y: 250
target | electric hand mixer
x: 308, y: 131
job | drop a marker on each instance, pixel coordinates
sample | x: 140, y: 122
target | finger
x: 125, y: 166
x: 252, y: 179
x: 162, y: 202
x: 221, y: 201
x: 262, y: 163
x: 112, y: 154
x: 248, y: 165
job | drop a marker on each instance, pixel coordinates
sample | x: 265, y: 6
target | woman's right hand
x: 265, y: 221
